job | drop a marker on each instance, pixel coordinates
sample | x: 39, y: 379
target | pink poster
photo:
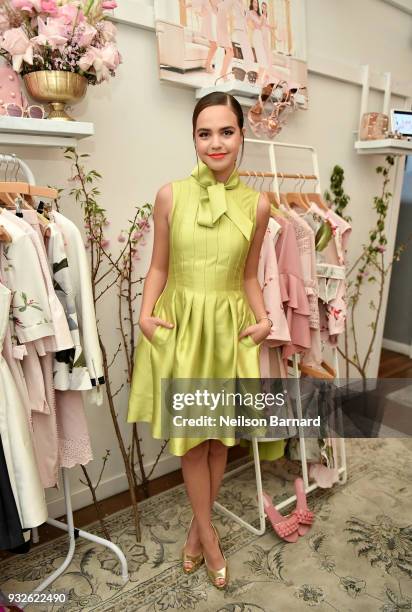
x: 245, y: 42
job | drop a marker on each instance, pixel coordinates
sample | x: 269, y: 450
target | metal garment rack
x: 69, y: 527
x: 342, y: 470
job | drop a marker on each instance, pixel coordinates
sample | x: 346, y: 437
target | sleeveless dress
x: 212, y: 226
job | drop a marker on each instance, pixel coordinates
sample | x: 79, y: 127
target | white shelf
x: 243, y: 91
x: 387, y: 146
x: 42, y: 132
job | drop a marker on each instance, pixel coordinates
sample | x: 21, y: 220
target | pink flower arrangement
x: 69, y: 35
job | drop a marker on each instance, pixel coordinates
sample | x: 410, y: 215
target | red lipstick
x: 217, y: 155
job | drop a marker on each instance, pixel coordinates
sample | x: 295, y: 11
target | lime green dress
x: 212, y: 226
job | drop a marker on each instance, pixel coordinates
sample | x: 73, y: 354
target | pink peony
x: 86, y: 33
x: 71, y: 14
x: 110, y: 56
x: 53, y: 33
x: 107, y: 5
x: 19, y: 46
x: 93, y: 59
x: 108, y: 31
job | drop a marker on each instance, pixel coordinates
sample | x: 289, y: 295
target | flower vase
x: 57, y: 88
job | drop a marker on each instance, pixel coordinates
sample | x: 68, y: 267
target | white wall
x: 143, y: 139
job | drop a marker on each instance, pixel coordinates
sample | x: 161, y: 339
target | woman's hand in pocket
x: 258, y: 332
x: 148, y: 326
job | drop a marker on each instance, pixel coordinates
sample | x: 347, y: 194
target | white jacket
x: 80, y: 273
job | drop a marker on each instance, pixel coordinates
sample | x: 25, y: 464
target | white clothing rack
x: 342, y: 470
x: 17, y: 164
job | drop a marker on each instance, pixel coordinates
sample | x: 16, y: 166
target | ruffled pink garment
x: 268, y: 277
x: 305, y: 238
x: 292, y: 290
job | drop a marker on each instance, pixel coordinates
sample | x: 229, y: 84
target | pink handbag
x: 10, y: 88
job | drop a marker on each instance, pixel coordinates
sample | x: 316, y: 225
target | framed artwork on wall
x: 206, y: 42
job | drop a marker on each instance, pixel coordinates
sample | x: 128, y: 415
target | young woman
x: 202, y: 313
x: 255, y: 20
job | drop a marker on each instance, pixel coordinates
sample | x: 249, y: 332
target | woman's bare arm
x: 157, y: 275
x: 259, y: 331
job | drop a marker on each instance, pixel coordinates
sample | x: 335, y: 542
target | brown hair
x: 252, y: 9
x: 219, y: 98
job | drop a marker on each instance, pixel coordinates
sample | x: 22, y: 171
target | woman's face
x: 264, y: 8
x: 256, y: 5
x: 218, y: 137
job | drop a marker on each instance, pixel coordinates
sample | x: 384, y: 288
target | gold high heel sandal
x: 196, y: 560
x: 221, y: 574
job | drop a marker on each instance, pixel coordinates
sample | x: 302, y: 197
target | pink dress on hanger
x: 222, y: 24
x: 268, y: 277
x: 292, y: 290
x: 305, y: 238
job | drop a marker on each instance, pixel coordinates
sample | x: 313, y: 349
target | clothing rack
x: 282, y: 175
x: 342, y: 470
x: 73, y: 533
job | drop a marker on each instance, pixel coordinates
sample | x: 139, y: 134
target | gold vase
x: 57, y: 88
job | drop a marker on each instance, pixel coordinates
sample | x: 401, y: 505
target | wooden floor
x: 393, y: 365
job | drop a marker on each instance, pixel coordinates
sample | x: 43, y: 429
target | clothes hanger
x: 328, y: 373
x: 275, y: 208
x: 4, y: 235
x: 296, y: 199
x: 273, y: 198
x: 317, y: 199
x: 10, y: 191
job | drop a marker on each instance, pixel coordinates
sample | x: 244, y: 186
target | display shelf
x: 244, y: 92
x: 42, y: 132
x: 387, y: 146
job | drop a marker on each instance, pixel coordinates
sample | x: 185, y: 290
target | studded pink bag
x: 10, y: 89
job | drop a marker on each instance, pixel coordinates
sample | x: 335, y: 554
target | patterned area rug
x: 357, y: 556
x: 402, y: 396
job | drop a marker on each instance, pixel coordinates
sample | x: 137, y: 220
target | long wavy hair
x: 251, y: 7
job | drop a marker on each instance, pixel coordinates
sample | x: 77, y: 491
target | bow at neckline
x: 214, y: 201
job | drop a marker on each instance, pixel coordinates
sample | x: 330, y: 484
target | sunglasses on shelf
x: 240, y: 75
x: 16, y: 110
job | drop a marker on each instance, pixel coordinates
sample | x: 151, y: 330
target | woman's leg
x: 210, y: 56
x: 197, y: 467
x: 196, y: 474
x: 217, y: 464
x: 227, y: 61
